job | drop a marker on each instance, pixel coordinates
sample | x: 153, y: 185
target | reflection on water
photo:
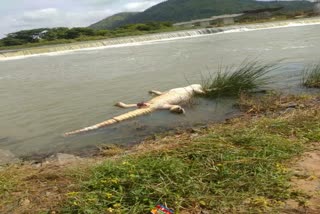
x: 43, y: 97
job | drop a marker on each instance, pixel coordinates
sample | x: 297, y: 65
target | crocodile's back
x: 172, y: 97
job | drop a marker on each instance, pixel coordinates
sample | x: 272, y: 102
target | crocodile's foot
x: 138, y: 105
x: 154, y: 92
x: 120, y: 104
x: 123, y: 105
x: 177, y: 110
x: 143, y: 105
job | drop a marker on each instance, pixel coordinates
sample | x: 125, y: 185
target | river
x: 44, y: 96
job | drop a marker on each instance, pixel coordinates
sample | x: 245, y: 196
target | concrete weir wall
x: 152, y: 37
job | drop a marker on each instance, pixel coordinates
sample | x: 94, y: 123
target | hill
x: 112, y: 21
x: 185, y: 10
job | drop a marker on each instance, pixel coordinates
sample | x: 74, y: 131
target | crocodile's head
x: 197, y: 88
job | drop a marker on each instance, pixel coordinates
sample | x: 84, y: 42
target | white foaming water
x: 4, y: 77
x: 151, y: 39
x: 295, y: 47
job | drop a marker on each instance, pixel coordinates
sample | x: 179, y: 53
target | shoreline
x: 98, y: 151
x: 150, y: 38
x: 277, y: 125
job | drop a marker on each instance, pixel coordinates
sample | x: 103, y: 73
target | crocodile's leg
x: 154, y: 92
x: 123, y: 105
x: 138, y: 105
x: 174, y: 109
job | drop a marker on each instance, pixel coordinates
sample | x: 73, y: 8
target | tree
x: 72, y: 34
x: 10, y: 41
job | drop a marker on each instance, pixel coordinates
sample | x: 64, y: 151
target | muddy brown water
x: 44, y: 96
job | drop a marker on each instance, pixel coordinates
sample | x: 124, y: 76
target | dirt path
x: 306, y: 180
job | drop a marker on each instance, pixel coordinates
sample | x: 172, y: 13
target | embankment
x: 240, y: 166
x: 123, y: 41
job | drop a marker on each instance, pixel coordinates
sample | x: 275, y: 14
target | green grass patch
x: 231, y: 81
x: 8, y: 183
x: 311, y: 76
x: 236, y: 167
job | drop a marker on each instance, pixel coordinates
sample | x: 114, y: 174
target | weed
x: 232, y: 80
x: 311, y: 76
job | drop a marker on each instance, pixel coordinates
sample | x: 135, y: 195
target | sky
x: 18, y: 15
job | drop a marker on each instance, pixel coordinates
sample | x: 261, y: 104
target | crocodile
x: 170, y: 100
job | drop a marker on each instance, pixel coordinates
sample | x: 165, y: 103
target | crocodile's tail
x: 114, y: 120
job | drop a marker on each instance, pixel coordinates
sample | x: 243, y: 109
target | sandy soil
x: 306, y: 179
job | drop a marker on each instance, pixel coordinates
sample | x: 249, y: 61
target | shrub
x: 232, y: 80
x: 311, y: 76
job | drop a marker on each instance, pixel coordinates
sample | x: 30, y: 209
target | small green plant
x: 231, y: 81
x: 311, y: 76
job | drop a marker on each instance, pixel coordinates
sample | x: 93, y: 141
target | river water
x: 44, y: 96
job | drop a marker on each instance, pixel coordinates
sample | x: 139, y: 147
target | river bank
x: 144, y: 39
x: 250, y: 163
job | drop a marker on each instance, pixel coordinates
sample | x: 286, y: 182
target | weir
x: 154, y: 37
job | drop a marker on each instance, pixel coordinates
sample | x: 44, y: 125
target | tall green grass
x: 231, y: 81
x: 311, y: 76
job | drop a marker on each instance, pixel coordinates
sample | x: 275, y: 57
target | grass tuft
x: 232, y: 80
x: 311, y: 76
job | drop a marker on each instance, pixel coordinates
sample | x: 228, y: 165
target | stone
x: 7, y: 157
x: 63, y: 158
x: 193, y: 136
x: 25, y: 202
x: 290, y: 105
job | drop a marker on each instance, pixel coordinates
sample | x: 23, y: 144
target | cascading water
x: 154, y: 37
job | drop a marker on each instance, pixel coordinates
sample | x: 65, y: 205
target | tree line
x: 47, y: 35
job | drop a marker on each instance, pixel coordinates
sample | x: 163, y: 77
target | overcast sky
x: 27, y: 14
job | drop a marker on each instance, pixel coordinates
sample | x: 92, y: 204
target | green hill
x: 185, y: 10
x: 112, y: 21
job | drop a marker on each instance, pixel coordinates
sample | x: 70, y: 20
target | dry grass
x: 273, y: 102
x: 31, y: 189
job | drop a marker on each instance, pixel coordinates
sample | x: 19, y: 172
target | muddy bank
x: 99, y: 151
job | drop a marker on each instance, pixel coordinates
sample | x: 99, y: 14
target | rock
x: 193, y: 136
x: 66, y: 158
x: 289, y: 105
x: 288, y: 110
x: 193, y: 130
x: 61, y: 159
x: 7, y: 157
x: 36, y: 165
x: 25, y: 202
x: 302, y: 106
